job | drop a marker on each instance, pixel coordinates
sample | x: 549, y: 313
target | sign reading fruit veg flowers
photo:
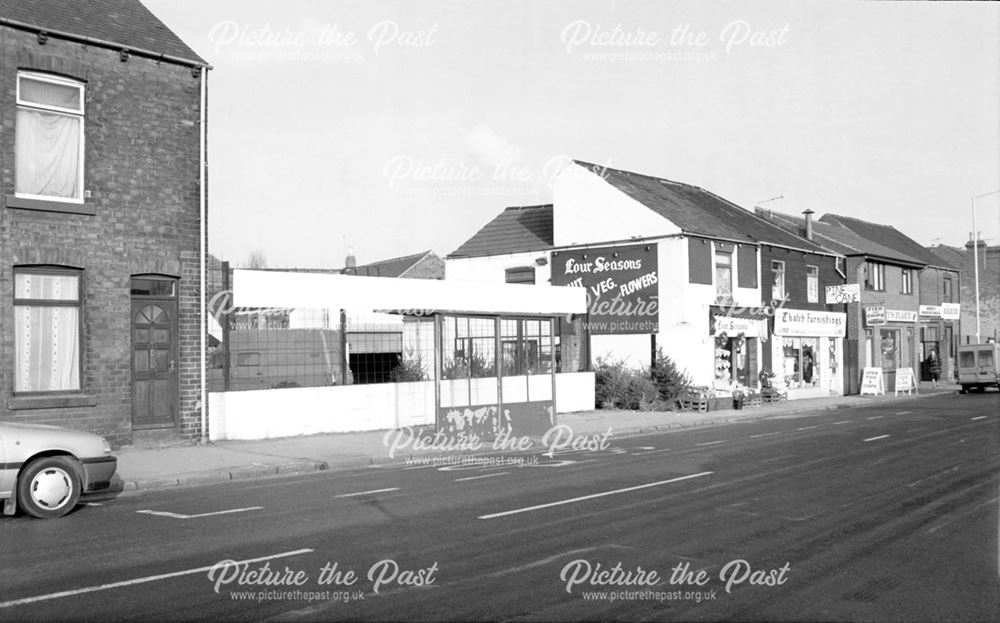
x: 622, y: 285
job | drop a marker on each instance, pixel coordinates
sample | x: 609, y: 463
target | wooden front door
x: 154, y: 363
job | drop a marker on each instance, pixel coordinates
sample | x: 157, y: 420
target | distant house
x: 666, y: 265
x: 424, y: 265
x: 989, y: 289
x: 102, y: 220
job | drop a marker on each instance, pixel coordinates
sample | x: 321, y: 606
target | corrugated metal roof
x: 124, y: 22
x: 515, y: 230
x: 697, y: 211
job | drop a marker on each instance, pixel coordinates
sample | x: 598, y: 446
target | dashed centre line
x: 351, y: 495
x: 874, y: 417
x: 200, y: 515
x: 981, y: 417
x: 483, y: 476
x: 842, y: 422
x: 876, y: 438
x: 711, y: 443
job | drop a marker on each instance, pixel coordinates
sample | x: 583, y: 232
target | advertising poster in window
x: 622, y: 286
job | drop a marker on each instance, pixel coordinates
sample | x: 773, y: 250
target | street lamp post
x: 975, y: 258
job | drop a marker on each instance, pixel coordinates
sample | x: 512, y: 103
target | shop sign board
x: 951, y: 311
x: 871, y: 381
x: 930, y: 311
x: 874, y: 315
x: 900, y: 315
x: 905, y: 381
x: 843, y: 293
x: 806, y: 323
x: 623, y: 292
x: 734, y: 326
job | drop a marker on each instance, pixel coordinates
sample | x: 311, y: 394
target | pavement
x: 151, y: 468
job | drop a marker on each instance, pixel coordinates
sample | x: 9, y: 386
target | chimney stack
x: 809, y: 223
x: 350, y: 261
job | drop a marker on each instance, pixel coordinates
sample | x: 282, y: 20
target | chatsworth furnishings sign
x: 806, y: 323
x: 623, y: 294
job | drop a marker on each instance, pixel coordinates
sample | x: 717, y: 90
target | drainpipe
x: 203, y: 248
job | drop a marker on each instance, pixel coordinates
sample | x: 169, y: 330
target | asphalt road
x: 884, y: 513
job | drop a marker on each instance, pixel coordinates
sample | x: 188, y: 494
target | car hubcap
x: 51, y: 488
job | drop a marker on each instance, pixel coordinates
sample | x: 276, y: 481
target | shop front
x: 807, y: 352
x: 890, y: 341
x: 736, y: 338
x: 938, y: 335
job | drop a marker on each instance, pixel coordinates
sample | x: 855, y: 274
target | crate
x: 692, y: 402
x: 771, y: 395
x: 753, y: 399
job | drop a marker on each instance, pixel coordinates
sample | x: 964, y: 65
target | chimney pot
x: 809, y: 223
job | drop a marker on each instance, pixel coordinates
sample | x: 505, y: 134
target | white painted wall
x: 491, y: 269
x: 271, y: 413
x: 586, y: 209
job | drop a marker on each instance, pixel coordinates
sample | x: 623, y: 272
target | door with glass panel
x: 154, y: 353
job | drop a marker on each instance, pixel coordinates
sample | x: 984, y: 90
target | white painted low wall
x: 271, y: 413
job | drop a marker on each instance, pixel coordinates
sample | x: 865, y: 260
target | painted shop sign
x: 805, y: 323
x: 900, y: 315
x: 623, y: 293
x: 951, y: 311
x: 874, y: 315
x: 844, y: 293
x: 930, y: 311
x: 734, y: 326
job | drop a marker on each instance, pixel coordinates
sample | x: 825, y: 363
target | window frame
x: 80, y: 114
x: 947, y: 289
x: 812, y: 283
x: 906, y: 285
x: 874, y: 276
x: 716, y: 265
x: 78, y: 304
x: 778, y: 268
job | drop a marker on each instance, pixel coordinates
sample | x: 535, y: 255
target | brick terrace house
x: 888, y: 280
x: 101, y: 249
x: 989, y: 289
x: 666, y: 264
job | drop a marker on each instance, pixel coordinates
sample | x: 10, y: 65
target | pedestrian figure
x: 934, y: 365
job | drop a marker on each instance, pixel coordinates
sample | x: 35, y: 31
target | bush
x: 670, y: 380
x: 410, y: 368
x: 619, y: 387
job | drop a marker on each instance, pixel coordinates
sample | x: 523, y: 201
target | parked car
x: 45, y: 469
x: 978, y: 366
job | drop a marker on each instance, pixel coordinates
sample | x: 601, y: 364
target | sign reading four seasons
x: 622, y: 286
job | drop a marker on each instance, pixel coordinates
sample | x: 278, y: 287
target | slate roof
x: 515, y: 230
x: 122, y: 22
x: 394, y: 267
x: 839, y: 239
x: 888, y: 236
x: 952, y: 256
x: 697, y: 211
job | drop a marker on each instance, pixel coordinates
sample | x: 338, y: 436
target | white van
x: 978, y: 366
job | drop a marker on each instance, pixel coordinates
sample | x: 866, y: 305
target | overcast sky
x: 397, y: 127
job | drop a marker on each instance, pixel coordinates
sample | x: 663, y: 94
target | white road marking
x: 710, y: 443
x: 903, y: 412
x: 483, y: 476
x: 351, y: 495
x: 876, y: 438
x: 806, y: 428
x: 780, y: 432
x: 842, y: 422
x: 873, y: 417
x: 93, y: 504
x: 981, y: 417
x: 960, y: 515
x: 594, y: 495
x: 143, y: 580
x: 199, y: 515
x: 651, y: 452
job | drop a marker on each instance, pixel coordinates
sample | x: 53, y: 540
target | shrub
x: 619, y: 387
x: 410, y: 368
x: 670, y: 380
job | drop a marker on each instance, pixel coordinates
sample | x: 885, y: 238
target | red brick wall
x: 142, y: 169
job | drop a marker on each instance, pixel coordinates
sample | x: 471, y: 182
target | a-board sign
x: 871, y: 381
x: 905, y: 381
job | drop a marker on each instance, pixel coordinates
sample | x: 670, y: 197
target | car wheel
x: 49, y: 487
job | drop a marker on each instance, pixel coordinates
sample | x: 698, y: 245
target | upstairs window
x: 812, y: 284
x: 907, y: 281
x: 48, y: 150
x: 723, y: 275
x: 777, y: 280
x: 520, y: 274
x: 46, y: 330
x: 874, y: 276
x: 947, y: 290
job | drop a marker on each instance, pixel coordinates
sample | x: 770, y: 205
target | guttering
x: 203, y: 251
x: 103, y: 43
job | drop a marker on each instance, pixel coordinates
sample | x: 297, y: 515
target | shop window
x: 874, y: 276
x: 812, y: 284
x: 799, y: 363
x: 907, y: 281
x: 46, y: 330
x: 723, y: 275
x: 48, y: 144
x: 777, y: 280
